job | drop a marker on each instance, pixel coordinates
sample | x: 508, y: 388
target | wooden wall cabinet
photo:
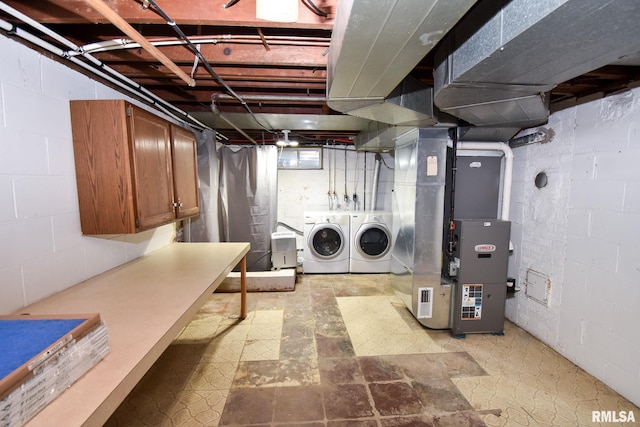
x: 134, y: 170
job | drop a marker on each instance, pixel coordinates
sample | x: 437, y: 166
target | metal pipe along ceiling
x: 98, y: 68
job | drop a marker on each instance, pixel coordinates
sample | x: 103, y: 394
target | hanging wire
x: 230, y: 3
x: 195, y: 63
x: 385, y: 163
x: 194, y: 49
x: 315, y: 8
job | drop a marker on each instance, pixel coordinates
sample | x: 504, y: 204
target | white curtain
x: 248, y: 200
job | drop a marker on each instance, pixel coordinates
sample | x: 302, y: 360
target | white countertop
x: 144, y: 304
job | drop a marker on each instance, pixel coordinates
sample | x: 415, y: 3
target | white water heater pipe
x: 508, y: 168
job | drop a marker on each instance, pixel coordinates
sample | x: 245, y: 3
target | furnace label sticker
x: 471, y: 302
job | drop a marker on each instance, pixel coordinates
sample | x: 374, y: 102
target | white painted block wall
x: 43, y: 250
x: 583, y: 232
x: 306, y: 190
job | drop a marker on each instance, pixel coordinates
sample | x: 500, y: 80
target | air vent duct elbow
x: 374, y: 47
x: 513, y: 52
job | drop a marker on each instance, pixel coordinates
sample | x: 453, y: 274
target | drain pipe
x: 376, y: 178
x: 508, y: 168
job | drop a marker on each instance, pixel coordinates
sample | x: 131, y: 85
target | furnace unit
x: 479, y: 267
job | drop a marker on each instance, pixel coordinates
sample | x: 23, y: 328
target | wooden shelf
x: 145, y: 304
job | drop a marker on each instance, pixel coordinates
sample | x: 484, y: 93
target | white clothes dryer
x: 326, y: 242
x: 370, y: 242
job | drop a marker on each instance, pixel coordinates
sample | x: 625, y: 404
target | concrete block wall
x: 306, y: 190
x: 43, y: 250
x: 583, y: 232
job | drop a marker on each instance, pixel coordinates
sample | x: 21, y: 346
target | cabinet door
x: 185, y: 172
x: 153, y: 181
x: 103, y: 170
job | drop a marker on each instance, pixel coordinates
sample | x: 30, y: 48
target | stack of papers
x: 41, y: 357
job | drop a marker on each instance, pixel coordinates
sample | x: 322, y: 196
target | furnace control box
x: 480, y: 260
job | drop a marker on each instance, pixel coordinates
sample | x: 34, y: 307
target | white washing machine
x: 326, y: 242
x: 370, y: 242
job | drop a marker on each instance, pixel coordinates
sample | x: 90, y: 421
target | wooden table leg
x: 243, y: 288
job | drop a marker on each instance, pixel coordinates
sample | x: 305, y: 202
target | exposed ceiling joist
x: 256, y: 58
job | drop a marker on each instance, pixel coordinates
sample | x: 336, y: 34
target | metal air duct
x: 497, y: 66
x: 374, y: 46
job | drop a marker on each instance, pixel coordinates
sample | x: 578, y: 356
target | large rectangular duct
x: 379, y: 137
x: 374, y: 45
x: 418, y: 220
x: 497, y: 65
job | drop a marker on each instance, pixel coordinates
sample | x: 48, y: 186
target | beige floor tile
x: 271, y: 317
x: 223, y: 351
x: 199, y: 330
x: 232, y: 332
x: 264, y: 331
x: 378, y: 345
x: 171, y: 409
x: 212, y: 376
x: 370, y: 307
x: 261, y: 350
x: 367, y: 327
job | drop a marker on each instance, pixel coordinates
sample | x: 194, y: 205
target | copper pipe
x: 124, y: 26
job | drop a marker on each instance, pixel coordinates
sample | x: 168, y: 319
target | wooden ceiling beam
x: 183, y: 12
x: 141, y: 71
x: 239, y: 54
x: 210, y: 84
x: 277, y: 98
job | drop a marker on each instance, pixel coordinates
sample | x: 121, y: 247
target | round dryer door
x: 326, y: 241
x: 372, y: 241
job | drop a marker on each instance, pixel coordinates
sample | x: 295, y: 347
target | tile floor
x: 342, y: 351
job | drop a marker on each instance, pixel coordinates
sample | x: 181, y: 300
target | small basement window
x: 300, y: 158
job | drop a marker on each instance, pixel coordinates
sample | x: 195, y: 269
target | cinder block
x: 38, y: 196
x: 632, y: 198
x: 618, y: 165
x: 12, y: 295
x: 597, y: 195
x: 7, y: 207
x: 624, y: 380
x: 24, y: 153
x: 583, y: 166
x: 57, y: 82
x: 590, y: 251
x: 25, y: 240
x: 27, y: 107
x: 23, y: 71
x: 578, y: 222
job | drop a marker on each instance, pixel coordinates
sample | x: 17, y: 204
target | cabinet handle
x: 177, y: 204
